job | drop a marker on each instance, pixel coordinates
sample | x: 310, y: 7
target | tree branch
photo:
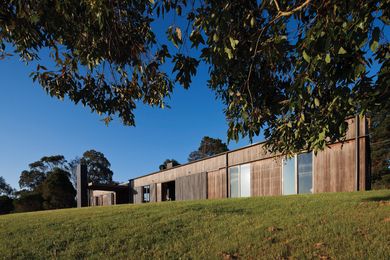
x: 288, y: 13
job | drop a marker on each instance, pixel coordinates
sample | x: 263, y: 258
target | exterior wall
x: 333, y: 170
x: 266, y: 179
x: 102, y: 198
x: 213, y: 163
x: 217, y: 184
x: 192, y: 187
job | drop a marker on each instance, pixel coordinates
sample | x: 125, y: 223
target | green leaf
x: 306, y: 57
x: 321, y: 136
x: 317, y: 102
x: 229, y: 53
x: 215, y: 37
x: 253, y: 21
x: 342, y: 51
x: 327, y: 58
x: 233, y: 43
x: 374, y: 46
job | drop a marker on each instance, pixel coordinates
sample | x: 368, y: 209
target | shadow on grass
x: 378, y: 198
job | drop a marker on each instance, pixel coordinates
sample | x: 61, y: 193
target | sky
x: 33, y: 124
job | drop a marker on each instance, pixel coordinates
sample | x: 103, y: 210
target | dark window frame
x: 146, y: 191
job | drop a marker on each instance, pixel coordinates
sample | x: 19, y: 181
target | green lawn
x: 337, y: 225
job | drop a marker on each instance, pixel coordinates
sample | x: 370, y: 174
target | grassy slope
x: 342, y: 225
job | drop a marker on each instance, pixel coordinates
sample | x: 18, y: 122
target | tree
x: 208, y: 147
x: 380, y: 147
x: 164, y: 165
x: 6, y: 204
x: 45, y: 185
x: 31, y: 179
x: 98, y: 167
x: 292, y: 69
x: 28, y: 201
x: 34, y: 177
x: 5, y: 188
x: 57, y: 190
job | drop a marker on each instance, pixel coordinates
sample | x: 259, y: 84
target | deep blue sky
x: 33, y: 125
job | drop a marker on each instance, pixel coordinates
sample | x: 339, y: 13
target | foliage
x: 5, y: 188
x: 164, y: 165
x: 31, y: 179
x: 208, y: 147
x: 316, y: 226
x: 57, y: 190
x: 47, y: 185
x: 28, y: 201
x: 292, y: 68
x: 380, y: 146
x: 34, y: 177
x: 6, y: 205
x: 98, y: 167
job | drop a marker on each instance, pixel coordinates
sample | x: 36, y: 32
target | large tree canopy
x: 36, y: 175
x: 208, y: 147
x: 164, y: 165
x: 5, y: 188
x: 98, y: 167
x: 292, y: 68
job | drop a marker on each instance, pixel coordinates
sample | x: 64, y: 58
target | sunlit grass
x: 338, y: 225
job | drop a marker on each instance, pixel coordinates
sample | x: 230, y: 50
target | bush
x: 6, y: 205
x: 29, y: 201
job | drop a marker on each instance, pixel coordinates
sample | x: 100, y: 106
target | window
x: 305, y: 173
x: 298, y: 174
x: 240, y: 181
x: 289, y: 176
x: 146, y: 193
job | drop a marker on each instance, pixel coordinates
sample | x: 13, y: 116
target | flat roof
x: 206, y: 158
x: 107, y: 187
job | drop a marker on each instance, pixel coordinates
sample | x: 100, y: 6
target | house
x: 252, y: 171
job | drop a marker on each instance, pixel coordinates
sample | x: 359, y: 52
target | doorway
x: 168, y: 191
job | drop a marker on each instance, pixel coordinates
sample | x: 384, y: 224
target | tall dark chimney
x: 82, y: 186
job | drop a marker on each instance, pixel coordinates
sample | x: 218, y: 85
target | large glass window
x: 289, y: 176
x: 245, y: 172
x: 298, y: 174
x: 146, y: 193
x: 234, y: 182
x: 305, y: 173
x: 240, y: 181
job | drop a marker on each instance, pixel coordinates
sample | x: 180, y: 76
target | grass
x: 338, y: 225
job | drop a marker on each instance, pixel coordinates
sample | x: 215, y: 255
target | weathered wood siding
x: 191, y: 187
x: 153, y: 192
x: 334, y: 168
x: 216, y: 184
x: 158, y: 192
x: 266, y: 177
x: 248, y: 154
x: 138, y: 195
x: 211, y: 164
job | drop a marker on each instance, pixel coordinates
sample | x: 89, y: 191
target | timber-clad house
x: 246, y: 172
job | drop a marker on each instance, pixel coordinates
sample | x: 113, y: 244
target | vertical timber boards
x: 191, y: 187
x: 153, y: 192
x: 364, y: 169
x: 158, y: 192
x: 334, y: 168
x: 216, y: 184
x: 266, y: 177
x: 138, y: 195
